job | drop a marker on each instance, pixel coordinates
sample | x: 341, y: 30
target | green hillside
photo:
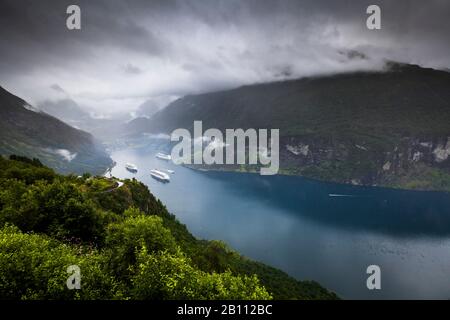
x: 126, y: 243
x: 27, y: 131
x: 404, y: 99
x: 388, y: 128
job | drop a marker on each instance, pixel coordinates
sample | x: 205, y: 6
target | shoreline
x: 202, y: 169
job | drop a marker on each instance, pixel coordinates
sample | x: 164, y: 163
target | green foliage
x: 24, y: 169
x: 35, y: 162
x: 100, y: 184
x: 126, y: 243
x: 135, y: 232
x: 86, y: 176
x: 35, y: 267
x: 422, y: 177
x: 214, y: 256
x: 58, y: 209
x: 166, y: 275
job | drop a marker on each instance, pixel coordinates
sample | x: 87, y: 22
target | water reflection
x: 387, y: 211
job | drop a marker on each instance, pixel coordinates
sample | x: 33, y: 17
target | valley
x: 387, y: 128
x: 27, y: 131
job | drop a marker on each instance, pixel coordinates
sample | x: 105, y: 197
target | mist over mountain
x: 390, y: 128
x: 69, y: 111
x: 66, y: 110
x: 28, y: 131
x: 358, y: 101
x: 151, y: 106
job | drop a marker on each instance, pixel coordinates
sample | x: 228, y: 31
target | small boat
x: 159, y: 175
x: 170, y: 171
x: 131, y: 167
x: 163, y: 156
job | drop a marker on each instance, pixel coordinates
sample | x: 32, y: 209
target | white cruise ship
x: 159, y: 175
x: 131, y: 167
x: 163, y: 156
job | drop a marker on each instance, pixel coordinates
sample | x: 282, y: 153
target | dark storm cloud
x: 36, y: 30
x: 131, y: 51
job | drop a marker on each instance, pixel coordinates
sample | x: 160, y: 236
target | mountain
x: 66, y: 110
x: 147, y: 109
x: 25, y: 130
x: 389, y: 128
x: 70, y: 112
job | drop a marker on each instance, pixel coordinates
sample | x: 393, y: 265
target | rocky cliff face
x: 410, y: 163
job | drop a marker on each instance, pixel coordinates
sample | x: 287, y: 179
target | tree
x: 35, y: 267
x: 58, y: 209
x: 135, y: 232
x: 164, y: 275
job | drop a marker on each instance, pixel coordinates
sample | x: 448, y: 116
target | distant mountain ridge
x: 66, y: 110
x: 304, y: 105
x: 71, y: 113
x: 25, y: 130
x: 389, y: 128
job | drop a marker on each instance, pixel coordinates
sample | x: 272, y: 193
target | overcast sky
x: 128, y: 52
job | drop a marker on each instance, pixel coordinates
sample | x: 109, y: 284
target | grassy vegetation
x: 126, y: 243
x: 422, y: 177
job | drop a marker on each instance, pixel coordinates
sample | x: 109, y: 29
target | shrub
x: 164, y: 275
x: 58, y: 209
x: 133, y: 233
x: 35, y: 267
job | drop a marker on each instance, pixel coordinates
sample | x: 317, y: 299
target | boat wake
x: 341, y: 195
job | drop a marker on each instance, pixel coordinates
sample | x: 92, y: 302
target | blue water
x: 313, y: 230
